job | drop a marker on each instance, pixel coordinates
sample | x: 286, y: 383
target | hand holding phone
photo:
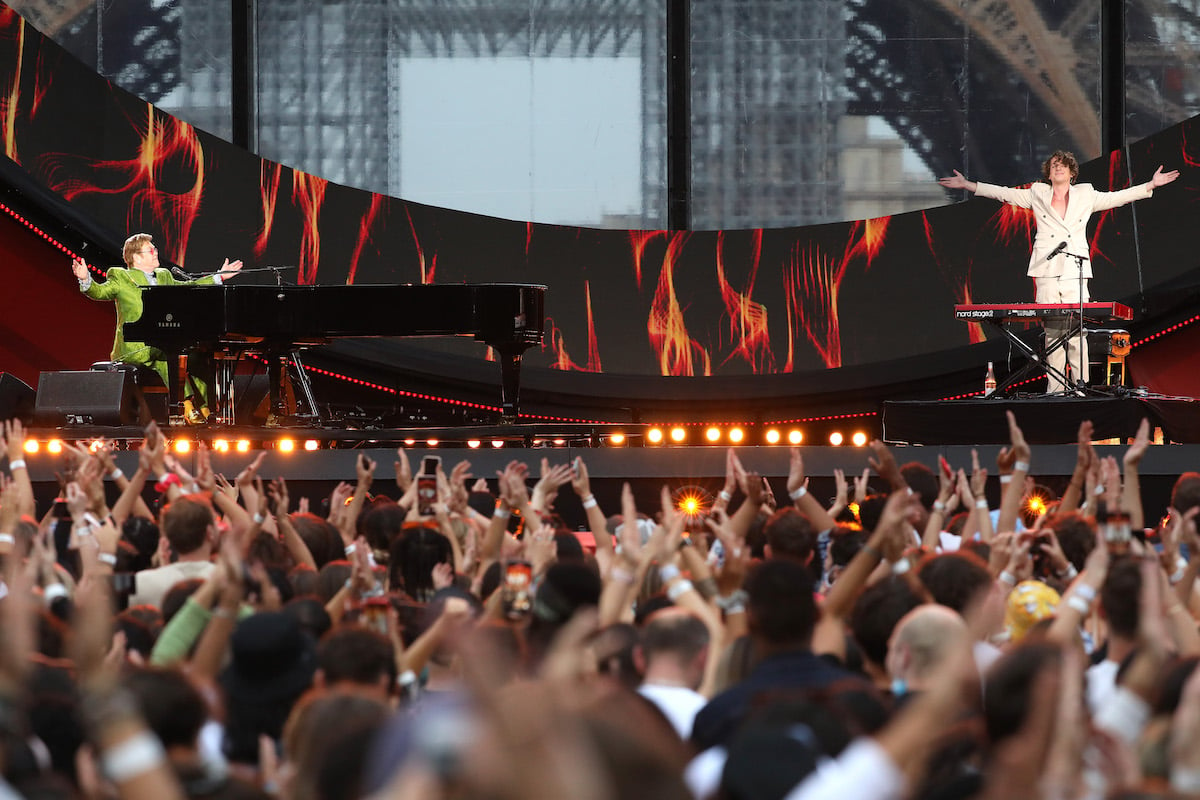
x: 427, y: 485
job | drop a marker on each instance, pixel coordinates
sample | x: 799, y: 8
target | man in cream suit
x: 1062, y: 210
x: 124, y: 286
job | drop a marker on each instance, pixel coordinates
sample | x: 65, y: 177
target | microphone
x: 178, y: 273
x: 1061, y: 246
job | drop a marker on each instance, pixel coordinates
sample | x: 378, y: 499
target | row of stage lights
x: 713, y: 434
x: 651, y: 437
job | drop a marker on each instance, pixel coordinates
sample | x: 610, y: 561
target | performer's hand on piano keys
x: 79, y: 268
x: 1163, y: 178
x: 230, y: 268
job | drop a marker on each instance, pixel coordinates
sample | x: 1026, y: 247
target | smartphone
x: 375, y: 613
x: 427, y: 485
x: 515, y: 593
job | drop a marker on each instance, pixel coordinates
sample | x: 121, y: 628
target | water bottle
x: 989, y: 381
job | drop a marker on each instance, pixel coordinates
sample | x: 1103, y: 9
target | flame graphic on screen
x: 678, y: 354
x: 747, y: 319
x: 364, y: 232
x: 420, y: 250
x: 166, y: 142
x: 639, y: 240
x: 268, y: 179
x: 811, y: 282
x: 12, y: 100
x: 866, y: 239
x: 1012, y: 221
x: 308, y: 193
x: 562, y: 359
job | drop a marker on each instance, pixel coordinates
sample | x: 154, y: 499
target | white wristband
x: 1005, y: 479
x: 350, y: 548
x: 590, y: 501
x: 258, y: 518
x: 668, y: 572
x: 902, y: 566
x: 1185, y: 780
x: 107, y: 558
x: 1085, y: 591
x: 7, y: 538
x: 53, y: 592
x: 1009, y: 578
x: 939, y: 506
x: 1100, y: 489
x: 621, y: 575
x: 116, y: 474
x: 724, y: 495
x: 132, y: 758
x: 1021, y: 466
x: 501, y: 513
x: 982, y: 503
x: 796, y: 495
x: 677, y: 590
x: 16, y: 463
x: 1079, y: 604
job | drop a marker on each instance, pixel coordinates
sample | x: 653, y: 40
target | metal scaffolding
x: 990, y: 85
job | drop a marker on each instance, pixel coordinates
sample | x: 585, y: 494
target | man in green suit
x: 124, y: 286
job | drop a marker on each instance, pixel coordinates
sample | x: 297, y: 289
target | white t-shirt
x: 678, y: 703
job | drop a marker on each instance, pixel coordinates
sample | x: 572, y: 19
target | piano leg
x: 223, y: 390
x: 509, y: 357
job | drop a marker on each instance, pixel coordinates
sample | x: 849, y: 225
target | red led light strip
x: 1165, y: 331
x: 38, y: 231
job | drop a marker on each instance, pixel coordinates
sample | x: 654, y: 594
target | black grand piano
x: 233, y: 320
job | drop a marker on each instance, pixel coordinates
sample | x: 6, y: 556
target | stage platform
x: 1044, y: 420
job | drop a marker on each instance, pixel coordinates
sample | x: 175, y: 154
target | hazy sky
x: 553, y: 140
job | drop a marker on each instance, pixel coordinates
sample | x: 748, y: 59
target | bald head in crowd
x: 920, y: 642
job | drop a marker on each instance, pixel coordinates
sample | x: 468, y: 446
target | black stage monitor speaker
x: 16, y: 398
x: 85, y: 398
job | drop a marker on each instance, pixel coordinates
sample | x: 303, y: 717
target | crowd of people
x: 168, y: 634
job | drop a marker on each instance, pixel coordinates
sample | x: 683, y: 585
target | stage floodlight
x: 654, y: 436
x: 678, y: 435
x: 311, y: 445
x: 243, y: 445
x: 773, y: 436
x: 286, y: 445
x: 859, y: 439
x: 54, y: 446
x: 795, y: 436
x: 617, y: 439
x: 473, y: 444
x: 32, y: 446
x: 736, y: 435
x: 836, y: 438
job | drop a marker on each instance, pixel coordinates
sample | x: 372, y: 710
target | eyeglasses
x: 148, y: 250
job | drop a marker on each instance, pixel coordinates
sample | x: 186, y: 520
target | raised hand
x: 1141, y: 442
x: 956, y: 181
x: 1161, y: 178
x: 79, y: 269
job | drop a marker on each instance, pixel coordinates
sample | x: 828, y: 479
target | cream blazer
x: 1082, y: 201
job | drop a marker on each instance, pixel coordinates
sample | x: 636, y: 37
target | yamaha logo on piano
x: 169, y: 322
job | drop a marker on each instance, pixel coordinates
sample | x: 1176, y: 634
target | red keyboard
x: 1035, y: 311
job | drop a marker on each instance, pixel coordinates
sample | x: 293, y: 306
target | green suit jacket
x: 124, y: 286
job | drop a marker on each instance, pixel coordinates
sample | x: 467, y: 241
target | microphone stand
x: 1082, y: 298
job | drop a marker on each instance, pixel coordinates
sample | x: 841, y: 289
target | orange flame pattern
x: 268, y: 179
x: 747, y: 319
x: 164, y: 140
x: 866, y: 239
x: 820, y: 278
x: 364, y: 232
x: 678, y: 354
x: 308, y: 193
